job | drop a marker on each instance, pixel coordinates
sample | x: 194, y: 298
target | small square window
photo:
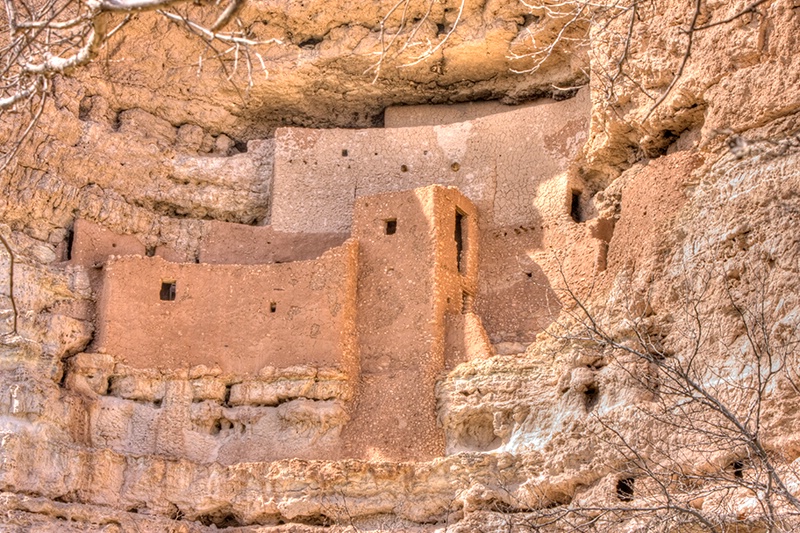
x: 167, y: 291
x: 391, y: 226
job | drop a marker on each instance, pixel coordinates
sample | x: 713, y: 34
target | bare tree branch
x: 11, y: 282
x: 708, y: 412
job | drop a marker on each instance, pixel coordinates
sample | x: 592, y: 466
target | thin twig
x: 11, y: 280
x: 684, y: 60
x: 749, y: 9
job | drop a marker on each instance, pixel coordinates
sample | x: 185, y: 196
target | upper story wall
x: 238, y: 317
x: 92, y: 244
x: 219, y: 243
x: 432, y: 115
x: 497, y: 161
x: 224, y: 243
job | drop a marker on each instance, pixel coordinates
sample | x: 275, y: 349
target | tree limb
x: 11, y: 281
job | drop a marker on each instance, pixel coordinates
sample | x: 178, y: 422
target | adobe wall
x: 92, y: 244
x: 219, y: 243
x: 431, y: 115
x: 225, y: 243
x: 238, y: 317
x: 408, y: 281
x: 496, y: 161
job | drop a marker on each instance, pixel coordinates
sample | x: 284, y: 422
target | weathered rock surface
x: 698, y: 196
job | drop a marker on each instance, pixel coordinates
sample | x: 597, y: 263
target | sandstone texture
x: 499, y: 275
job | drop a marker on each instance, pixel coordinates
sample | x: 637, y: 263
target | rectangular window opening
x: 460, y: 228
x: 168, y: 291
x: 738, y: 469
x: 591, y: 397
x: 625, y: 489
x: 273, y: 306
x: 391, y: 226
x: 70, y: 243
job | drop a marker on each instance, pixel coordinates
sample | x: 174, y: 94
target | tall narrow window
x: 459, y: 237
x: 575, y: 207
x: 391, y: 226
x: 70, y: 242
x: 738, y: 469
x: 167, y: 291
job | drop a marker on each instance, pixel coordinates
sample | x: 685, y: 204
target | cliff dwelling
x: 417, y: 266
x: 386, y: 310
x: 323, y: 334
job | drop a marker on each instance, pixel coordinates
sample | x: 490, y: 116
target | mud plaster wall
x: 92, y: 244
x: 219, y: 243
x: 432, y: 115
x: 225, y: 242
x: 408, y: 281
x: 223, y: 314
x: 496, y: 161
x: 413, y: 285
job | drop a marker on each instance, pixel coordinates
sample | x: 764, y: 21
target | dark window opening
x: 591, y: 396
x: 273, y: 306
x: 150, y: 251
x: 738, y: 469
x: 344, y: 152
x: 403, y: 168
x: 391, y: 226
x: 167, y: 291
x: 575, y: 207
x: 70, y: 241
x: 625, y: 489
x: 459, y: 237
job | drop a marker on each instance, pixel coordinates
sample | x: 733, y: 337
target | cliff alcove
x: 425, y: 266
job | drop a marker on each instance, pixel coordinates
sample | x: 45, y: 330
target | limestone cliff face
x: 662, y: 216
